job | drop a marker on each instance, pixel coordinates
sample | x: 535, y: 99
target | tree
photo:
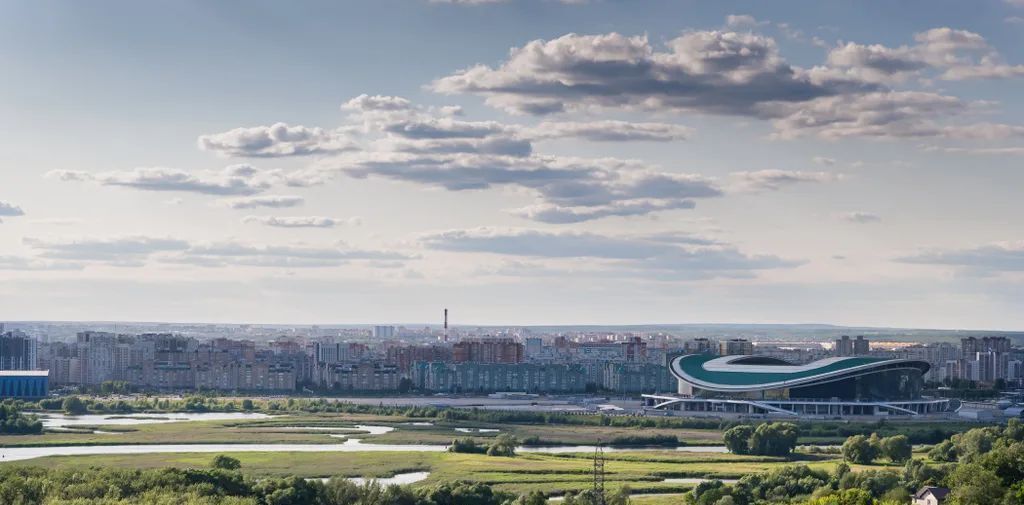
x: 222, y: 462
x: 774, y: 439
x: 973, y: 484
x: 974, y: 443
x: 737, y: 439
x: 247, y: 404
x: 620, y: 497
x: 859, y: 449
x: 944, y: 451
x: 1014, y: 429
x: 533, y: 498
x: 845, y: 497
x: 405, y: 385
x: 466, y: 445
x: 74, y: 406
x: 503, y: 445
x: 897, y: 448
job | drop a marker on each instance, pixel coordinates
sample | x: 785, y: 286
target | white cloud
x: 24, y: 264
x: 232, y: 180
x: 773, y: 180
x: 729, y: 73
x: 10, y: 210
x: 860, y: 217
x: 706, y: 71
x: 118, y: 251
x: 893, y: 114
x: 271, y: 201
x: 987, y: 151
x: 139, y: 251
x: 984, y: 259
x: 609, y: 131
x: 821, y: 160
x: 276, y: 140
x: 669, y: 259
x: 366, y: 102
x: 568, y: 189
x: 955, y: 54
x: 228, y: 253
x: 300, y: 221
x: 743, y: 21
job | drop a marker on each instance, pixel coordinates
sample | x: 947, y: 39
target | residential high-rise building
x: 96, y: 351
x: 493, y: 350
x: 700, y: 346
x: 383, y: 331
x: 985, y: 359
x: 18, y: 351
x: 735, y: 346
x: 845, y: 346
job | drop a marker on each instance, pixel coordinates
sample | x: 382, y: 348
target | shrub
x: 74, y: 406
x: 223, y: 462
x: 859, y: 449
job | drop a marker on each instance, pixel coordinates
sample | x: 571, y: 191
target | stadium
x: 828, y: 388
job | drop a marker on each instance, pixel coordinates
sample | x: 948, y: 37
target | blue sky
x: 519, y: 161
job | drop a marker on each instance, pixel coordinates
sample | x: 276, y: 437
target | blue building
x: 24, y: 383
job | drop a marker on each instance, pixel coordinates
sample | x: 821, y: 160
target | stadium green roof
x: 736, y: 376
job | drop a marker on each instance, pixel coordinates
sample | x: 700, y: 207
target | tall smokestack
x: 445, y: 325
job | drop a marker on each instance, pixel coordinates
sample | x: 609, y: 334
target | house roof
x: 938, y: 492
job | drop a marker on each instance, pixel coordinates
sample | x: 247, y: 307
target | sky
x: 516, y: 161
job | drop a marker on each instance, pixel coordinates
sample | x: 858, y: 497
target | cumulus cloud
x: 860, y: 217
x: 232, y: 180
x: 271, y: 201
x: 773, y: 180
x: 300, y: 221
x: 10, y: 210
x: 725, y: 72
x: 366, y: 102
x: 954, y: 54
x: 717, y: 72
x: 984, y: 259
x: 883, y: 115
x: 275, y: 140
x: 743, y: 21
x: 669, y: 258
x: 428, y: 145
x: 569, y: 189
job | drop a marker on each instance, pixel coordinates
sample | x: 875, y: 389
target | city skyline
x: 528, y: 162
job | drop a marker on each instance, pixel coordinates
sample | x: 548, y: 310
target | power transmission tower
x: 599, y: 473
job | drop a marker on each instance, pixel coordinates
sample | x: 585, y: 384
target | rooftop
x: 24, y: 373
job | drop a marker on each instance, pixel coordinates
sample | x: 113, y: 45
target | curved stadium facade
x: 833, y: 387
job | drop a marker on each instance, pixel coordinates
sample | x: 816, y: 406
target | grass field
x: 552, y: 474
x: 280, y: 430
